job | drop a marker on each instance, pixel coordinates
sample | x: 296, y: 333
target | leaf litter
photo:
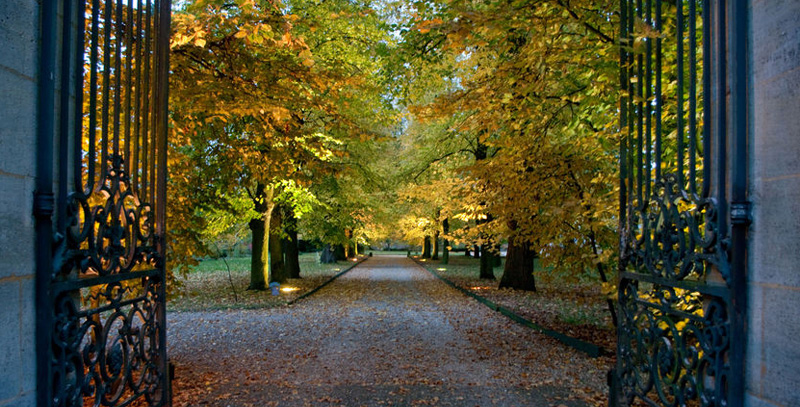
x: 384, y: 334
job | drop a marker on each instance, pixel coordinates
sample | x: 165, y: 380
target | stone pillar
x: 773, y: 342
x: 19, y: 28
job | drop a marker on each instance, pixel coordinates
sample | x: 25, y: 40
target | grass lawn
x: 208, y: 286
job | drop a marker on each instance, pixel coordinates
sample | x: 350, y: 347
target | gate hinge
x: 741, y: 213
x: 43, y: 204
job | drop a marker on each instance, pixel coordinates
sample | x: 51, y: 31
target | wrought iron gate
x: 684, y: 215
x: 100, y: 203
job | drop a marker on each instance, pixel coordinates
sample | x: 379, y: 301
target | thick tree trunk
x: 348, y: 247
x: 445, y: 242
x: 487, y: 263
x: 290, y: 245
x: 476, y: 251
x: 259, y: 258
x: 327, y: 256
x: 339, y: 252
x: 518, y: 273
x: 426, y: 247
x: 277, y: 265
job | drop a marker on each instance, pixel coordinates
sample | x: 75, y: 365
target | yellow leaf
x: 304, y: 54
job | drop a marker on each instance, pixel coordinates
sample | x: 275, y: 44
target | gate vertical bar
x: 740, y: 207
x: 43, y: 200
x: 64, y: 119
x: 161, y: 189
x: 720, y: 114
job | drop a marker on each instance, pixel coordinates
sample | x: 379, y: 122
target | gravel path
x: 385, y: 334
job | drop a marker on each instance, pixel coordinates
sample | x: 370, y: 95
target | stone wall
x: 19, y: 28
x: 773, y: 351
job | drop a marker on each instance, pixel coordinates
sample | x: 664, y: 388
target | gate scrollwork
x: 106, y: 296
x: 677, y: 336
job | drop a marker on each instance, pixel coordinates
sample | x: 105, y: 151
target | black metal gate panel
x: 101, y: 305
x: 683, y: 214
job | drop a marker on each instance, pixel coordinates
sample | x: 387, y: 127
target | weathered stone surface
x: 19, y: 31
x: 781, y: 359
x: 773, y: 342
x: 16, y: 233
x: 19, y: 28
x: 18, y: 42
x: 775, y: 36
x: 752, y: 401
x: 776, y: 125
x: 11, y: 356
x: 775, y: 247
x: 17, y: 127
x: 27, y: 369
x: 755, y: 339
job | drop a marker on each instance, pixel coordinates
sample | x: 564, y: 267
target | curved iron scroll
x: 105, y: 329
x: 114, y: 236
x: 108, y: 323
x: 679, y: 343
x: 674, y: 329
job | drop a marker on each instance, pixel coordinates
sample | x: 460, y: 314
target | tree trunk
x: 348, y: 246
x: 339, y: 252
x: 518, y: 273
x: 445, y: 242
x: 277, y: 265
x: 327, y: 255
x: 487, y: 263
x: 497, y: 259
x: 290, y: 246
x: 435, y: 254
x: 487, y: 272
x: 476, y: 251
x: 259, y: 258
x: 426, y: 247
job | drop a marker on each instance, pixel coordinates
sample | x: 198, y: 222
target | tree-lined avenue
x: 386, y: 333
